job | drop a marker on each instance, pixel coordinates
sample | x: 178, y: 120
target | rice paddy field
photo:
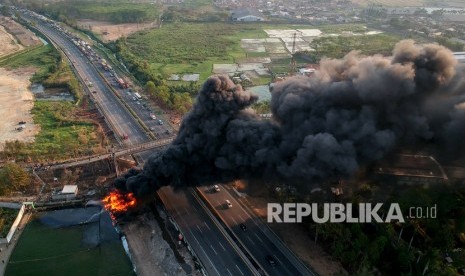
x: 80, y: 241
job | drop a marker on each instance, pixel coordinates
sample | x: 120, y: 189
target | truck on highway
x: 122, y: 83
x: 138, y: 96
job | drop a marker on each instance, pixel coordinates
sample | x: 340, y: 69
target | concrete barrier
x: 14, y: 226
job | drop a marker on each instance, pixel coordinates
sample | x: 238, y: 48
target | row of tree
x: 13, y: 178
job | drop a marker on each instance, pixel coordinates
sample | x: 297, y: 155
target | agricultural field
x: 337, y: 47
x: 69, y: 242
x: 191, y: 48
x: 226, y: 48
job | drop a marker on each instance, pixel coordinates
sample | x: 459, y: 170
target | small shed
x: 69, y: 192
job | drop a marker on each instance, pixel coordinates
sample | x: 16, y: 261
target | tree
x: 5, y: 11
x: 150, y: 88
x: 182, y: 102
x: 164, y: 95
x: 13, y: 178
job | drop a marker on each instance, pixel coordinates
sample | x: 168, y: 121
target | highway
x: 196, y: 226
x: 118, y: 118
x: 228, y: 261
x: 257, y: 237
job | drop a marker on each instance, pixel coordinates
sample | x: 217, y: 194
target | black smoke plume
x: 351, y: 112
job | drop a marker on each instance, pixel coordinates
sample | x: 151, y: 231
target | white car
x: 216, y: 188
x: 228, y: 203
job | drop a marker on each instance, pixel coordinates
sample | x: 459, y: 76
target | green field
x: 187, y: 48
x: 112, y: 11
x: 194, y: 48
x: 42, y: 250
x: 43, y: 58
x: 339, y: 46
x: 61, y: 132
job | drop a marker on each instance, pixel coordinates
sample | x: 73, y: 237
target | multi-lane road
x: 220, y: 257
x: 253, y: 233
x: 216, y: 250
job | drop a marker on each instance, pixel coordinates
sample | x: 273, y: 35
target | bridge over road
x: 116, y: 153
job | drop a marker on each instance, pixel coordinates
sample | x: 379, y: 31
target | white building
x: 246, y: 15
x: 69, y: 192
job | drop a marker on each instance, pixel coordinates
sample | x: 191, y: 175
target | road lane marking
x: 258, y: 237
x: 239, y: 270
x: 250, y: 240
x: 235, y: 222
x: 229, y: 272
x: 224, y: 249
x: 213, y: 249
x: 198, y: 227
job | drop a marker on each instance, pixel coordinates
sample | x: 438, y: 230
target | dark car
x: 243, y: 227
x: 270, y: 260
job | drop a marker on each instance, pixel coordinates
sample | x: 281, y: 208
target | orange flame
x: 117, y: 202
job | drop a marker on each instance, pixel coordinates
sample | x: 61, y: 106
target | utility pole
x: 292, y: 65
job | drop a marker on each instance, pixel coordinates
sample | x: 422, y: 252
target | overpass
x: 115, y: 153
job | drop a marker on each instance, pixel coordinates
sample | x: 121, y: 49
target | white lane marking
x: 235, y: 222
x: 277, y: 258
x: 250, y: 240
x: 258, y: 237
x: 196, y: 240
x: 229, y: 272
x: 213, y: 249
x: 224, y: 249
x: 242, y: 219
x: 206, y: 225
x: 239, y: 270
x: 198, y: 227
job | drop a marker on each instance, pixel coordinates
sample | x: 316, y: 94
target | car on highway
x: 228, y: 203
x: 243, y: 227
x: 270, y: 260
x: 216, y: 188
x: 160, y: 122
x: 93, y: 91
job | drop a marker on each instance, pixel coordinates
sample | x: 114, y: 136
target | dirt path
x: 16, y: 102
